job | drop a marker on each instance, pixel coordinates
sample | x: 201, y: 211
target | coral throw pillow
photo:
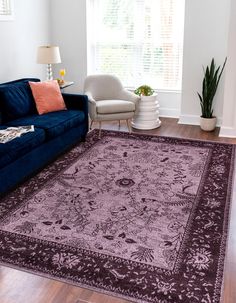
x: 47, y: 96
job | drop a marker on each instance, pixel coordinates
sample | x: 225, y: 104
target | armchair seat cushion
x: 18, y: 147
x: 54, y: 123
x: 114, y: 106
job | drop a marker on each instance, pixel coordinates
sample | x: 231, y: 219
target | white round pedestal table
x: 147, y: 113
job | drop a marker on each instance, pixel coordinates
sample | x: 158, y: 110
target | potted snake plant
x: 210, y: 83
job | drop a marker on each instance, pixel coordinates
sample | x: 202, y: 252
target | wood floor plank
x: 21, y: 287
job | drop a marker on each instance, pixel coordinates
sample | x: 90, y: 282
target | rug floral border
x: 196, y: 282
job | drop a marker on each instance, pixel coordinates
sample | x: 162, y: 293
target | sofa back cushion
x: 16, y: 99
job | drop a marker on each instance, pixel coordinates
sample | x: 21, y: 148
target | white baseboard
x: 169, y: 112
x: 189, y: 119
x: 229, y: 132
x: 194, y: 120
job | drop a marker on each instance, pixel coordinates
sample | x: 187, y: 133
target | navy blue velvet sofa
x: 54, y: 133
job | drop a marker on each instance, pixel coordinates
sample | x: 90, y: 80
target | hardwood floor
x: 21, y: 287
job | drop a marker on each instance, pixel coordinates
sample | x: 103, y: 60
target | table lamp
x: 48, y: 55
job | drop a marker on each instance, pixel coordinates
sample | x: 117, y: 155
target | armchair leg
x: 100, y: 128
x: 91, y: 124
x: 119, y: 124
x: 128, y: 125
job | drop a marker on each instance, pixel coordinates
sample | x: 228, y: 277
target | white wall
x: 229, y: 108
x: 20, y: 38
x: 170, y: 103
x: 68, y: 27
x: 206, y: 36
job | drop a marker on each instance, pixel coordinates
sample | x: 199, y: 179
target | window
x: 6, y: 11
x: 140, y: 41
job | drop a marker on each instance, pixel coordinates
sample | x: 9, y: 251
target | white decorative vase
x: 147, y: 113
x: 208, y: 124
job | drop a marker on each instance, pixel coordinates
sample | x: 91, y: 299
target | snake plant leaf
x: 212, y: 68
x: 221, y: 71
x: 200, y: 97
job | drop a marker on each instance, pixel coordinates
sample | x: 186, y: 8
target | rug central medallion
x: 129, y: 199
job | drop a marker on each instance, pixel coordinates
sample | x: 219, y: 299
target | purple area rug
x: 140, y: 217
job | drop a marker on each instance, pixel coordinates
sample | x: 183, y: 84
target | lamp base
x: 49, y: 72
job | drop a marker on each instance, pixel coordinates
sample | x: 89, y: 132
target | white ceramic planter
x: 147, y: 113
x: 208, y: 124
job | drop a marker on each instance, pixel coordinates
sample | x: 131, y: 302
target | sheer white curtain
x: 140, y: 41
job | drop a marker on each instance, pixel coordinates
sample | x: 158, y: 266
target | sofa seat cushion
x: 18, y: 147
x: 114, y: 106
x: 54, y: 123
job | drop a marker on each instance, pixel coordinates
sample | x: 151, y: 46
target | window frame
x: 91, y: 49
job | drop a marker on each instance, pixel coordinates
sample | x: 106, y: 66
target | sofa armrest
x: 76, y: 101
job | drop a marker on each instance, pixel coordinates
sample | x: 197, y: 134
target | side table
x: 147, y: 113
x: 66, y: 84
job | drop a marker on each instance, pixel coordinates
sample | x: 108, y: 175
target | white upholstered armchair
x: 109, y: 100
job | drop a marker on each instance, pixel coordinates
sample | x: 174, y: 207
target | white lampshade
x: 48, y: 55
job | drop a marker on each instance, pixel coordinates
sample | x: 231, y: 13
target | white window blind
x: 140, y: 41
x: 5, y: 7
x: 6, y: 10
